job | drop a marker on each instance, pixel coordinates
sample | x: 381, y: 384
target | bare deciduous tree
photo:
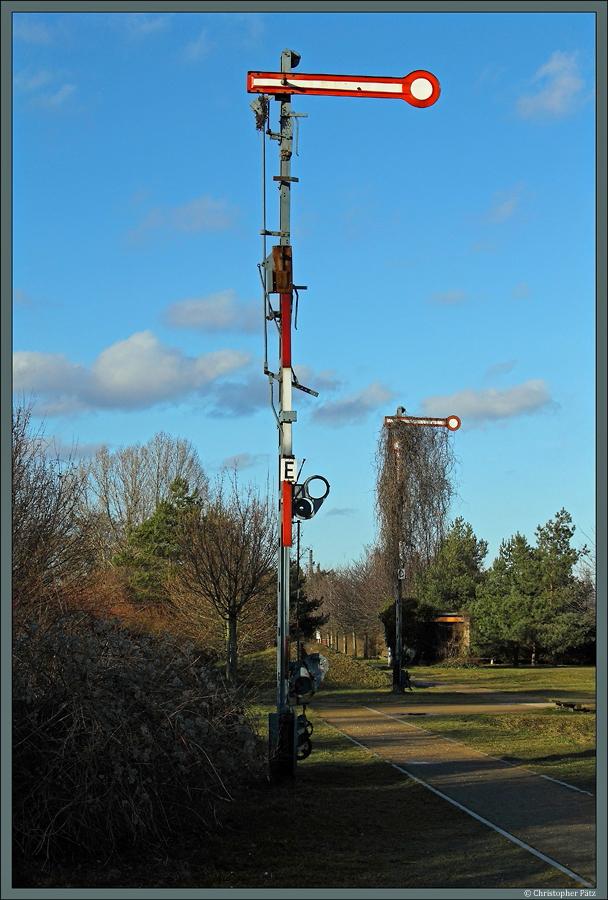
x: 353, y: 596
x: 51, y: 552
x: 228, y: 551
x: 124, y: 486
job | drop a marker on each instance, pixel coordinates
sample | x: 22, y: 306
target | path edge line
x: 511, y: 837
x: 483, y: 752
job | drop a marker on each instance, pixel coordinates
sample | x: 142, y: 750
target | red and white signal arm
x: 451, y: 422
x: 419, y: 88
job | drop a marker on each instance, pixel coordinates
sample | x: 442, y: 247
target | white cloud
x: 237, y: 31
x: 559, y: 93
x: 154, y: 219
x: 476, y: 408
x: 240, y: 398
x: 30, y: 32
x: 140, y: 25
x: 58, y: 98
x: 245, y: 461
x: 249, y: 26
x: 521, y: 290
x: 20, y: 298
x: 502, y: 368
x: 490, y: 75
x: 140, y: 195
x: 505, y: 204
x: 324, y: 381
x: 33, y: 84
x: 136, y: 373
x: 483, y: 247
x: 47, y: 373
x: 353, y: 407
x: 447, y: 298
x: 201, y: 214
x: 140, y: 371
x: 75, y: 450
x: 219, y: 311
x: 197, y: 49
x: 28, y: 81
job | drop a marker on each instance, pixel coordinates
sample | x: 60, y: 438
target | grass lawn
x: 554, y: 742
x: 554, y: 680
x: 349, y: 820
x: 550, y: 682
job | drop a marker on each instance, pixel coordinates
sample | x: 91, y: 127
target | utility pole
x: 452, y: 423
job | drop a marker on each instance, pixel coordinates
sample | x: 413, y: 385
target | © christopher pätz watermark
x: 581, y: 892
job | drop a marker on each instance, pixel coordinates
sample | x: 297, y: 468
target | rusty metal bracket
x: 281, y: 272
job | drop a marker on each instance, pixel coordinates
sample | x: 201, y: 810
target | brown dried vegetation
x: 413, y: 494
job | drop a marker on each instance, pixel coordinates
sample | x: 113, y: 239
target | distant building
x: 452, y: 634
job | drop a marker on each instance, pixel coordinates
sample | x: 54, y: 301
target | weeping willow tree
x: 413, y: 493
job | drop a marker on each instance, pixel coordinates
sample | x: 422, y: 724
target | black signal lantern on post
x: 306, y: 676
x: 308, y: 497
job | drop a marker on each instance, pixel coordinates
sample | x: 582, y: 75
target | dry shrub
x: 51, y: 547
x: 195, y: 618
x: 456, y: 653
x: 107, y: 595
x: 120, y: 739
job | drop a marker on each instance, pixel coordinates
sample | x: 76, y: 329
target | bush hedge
x: 120, y: 739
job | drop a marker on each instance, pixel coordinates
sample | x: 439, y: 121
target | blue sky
x: 449, y: 252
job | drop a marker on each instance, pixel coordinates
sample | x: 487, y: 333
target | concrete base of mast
x: 282, y: 744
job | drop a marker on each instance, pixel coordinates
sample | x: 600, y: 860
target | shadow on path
x: 555, y: 821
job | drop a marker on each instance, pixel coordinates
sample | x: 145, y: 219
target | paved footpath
x: 555, y: 820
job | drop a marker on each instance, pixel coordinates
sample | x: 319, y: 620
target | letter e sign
x: 288, y: 468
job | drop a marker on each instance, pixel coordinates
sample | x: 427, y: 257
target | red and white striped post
x: 282, y: 724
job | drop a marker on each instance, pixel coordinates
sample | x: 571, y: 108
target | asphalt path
x: 551, y: 819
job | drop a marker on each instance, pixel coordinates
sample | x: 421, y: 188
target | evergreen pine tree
x: 303, y: 617
x: 152, y: 549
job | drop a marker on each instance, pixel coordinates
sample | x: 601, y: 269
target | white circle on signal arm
x: 320, y: 491
x: 421, y: 88
x: 453, y: 422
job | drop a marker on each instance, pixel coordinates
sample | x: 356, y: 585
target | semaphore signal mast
x: 452, y: 423
x: 296, y: 682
